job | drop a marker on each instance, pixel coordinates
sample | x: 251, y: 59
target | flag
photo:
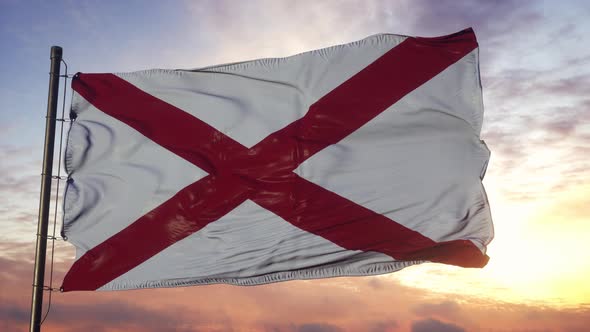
x: 357, y: 159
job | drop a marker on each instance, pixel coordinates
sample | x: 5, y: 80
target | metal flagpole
x: 43, y: 222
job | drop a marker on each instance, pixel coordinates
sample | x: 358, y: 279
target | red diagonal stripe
x: 168, y: 126
x: 313, y: 208
x: 265, y: 168
x: 357, y: 101
x: 185, y: 213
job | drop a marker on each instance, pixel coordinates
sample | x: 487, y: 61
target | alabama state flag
x: 357, y: 159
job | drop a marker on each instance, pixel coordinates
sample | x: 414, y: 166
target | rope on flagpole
x: 58, y: 178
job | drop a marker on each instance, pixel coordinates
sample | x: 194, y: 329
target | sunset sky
x: 535, y: 68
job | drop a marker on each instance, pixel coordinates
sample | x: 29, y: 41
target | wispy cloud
x: 263, y: 28
x: 446, y: 309
x: 434, y: 325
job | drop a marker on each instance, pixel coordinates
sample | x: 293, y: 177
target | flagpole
x: 43, y: 221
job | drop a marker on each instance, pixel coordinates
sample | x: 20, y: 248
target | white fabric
x: 118, y: 176
x: 419, y: 163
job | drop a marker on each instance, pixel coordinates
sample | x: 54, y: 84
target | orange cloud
x: 340, y: 304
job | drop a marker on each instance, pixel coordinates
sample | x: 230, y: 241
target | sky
x: 535, y: 70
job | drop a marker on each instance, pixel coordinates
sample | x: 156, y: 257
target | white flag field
x: 352, y: 160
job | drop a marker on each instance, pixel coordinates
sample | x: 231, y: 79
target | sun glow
x: 538, y: 256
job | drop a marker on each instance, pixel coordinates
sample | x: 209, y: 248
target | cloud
x: 578, y: 60
x: 446, y: 309
x: 121, y: 315
x: 318, y: 327
x: 433, y: 325
x: 377, y: 283
x: 14, y: 314
x: 518, y: 85
x: 19, y: 192
x: 309, y: 24
x: 102, y: 316
x: 447, y: 14
x: 536, y: 103
x: 577, y: 329
x: 341, y: 304
x: 262, y: 28
x: 383, y: 326
x: 570, y: 86
x: 535, y: 152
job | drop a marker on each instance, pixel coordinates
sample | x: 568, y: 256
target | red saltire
x: 264, y: 172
